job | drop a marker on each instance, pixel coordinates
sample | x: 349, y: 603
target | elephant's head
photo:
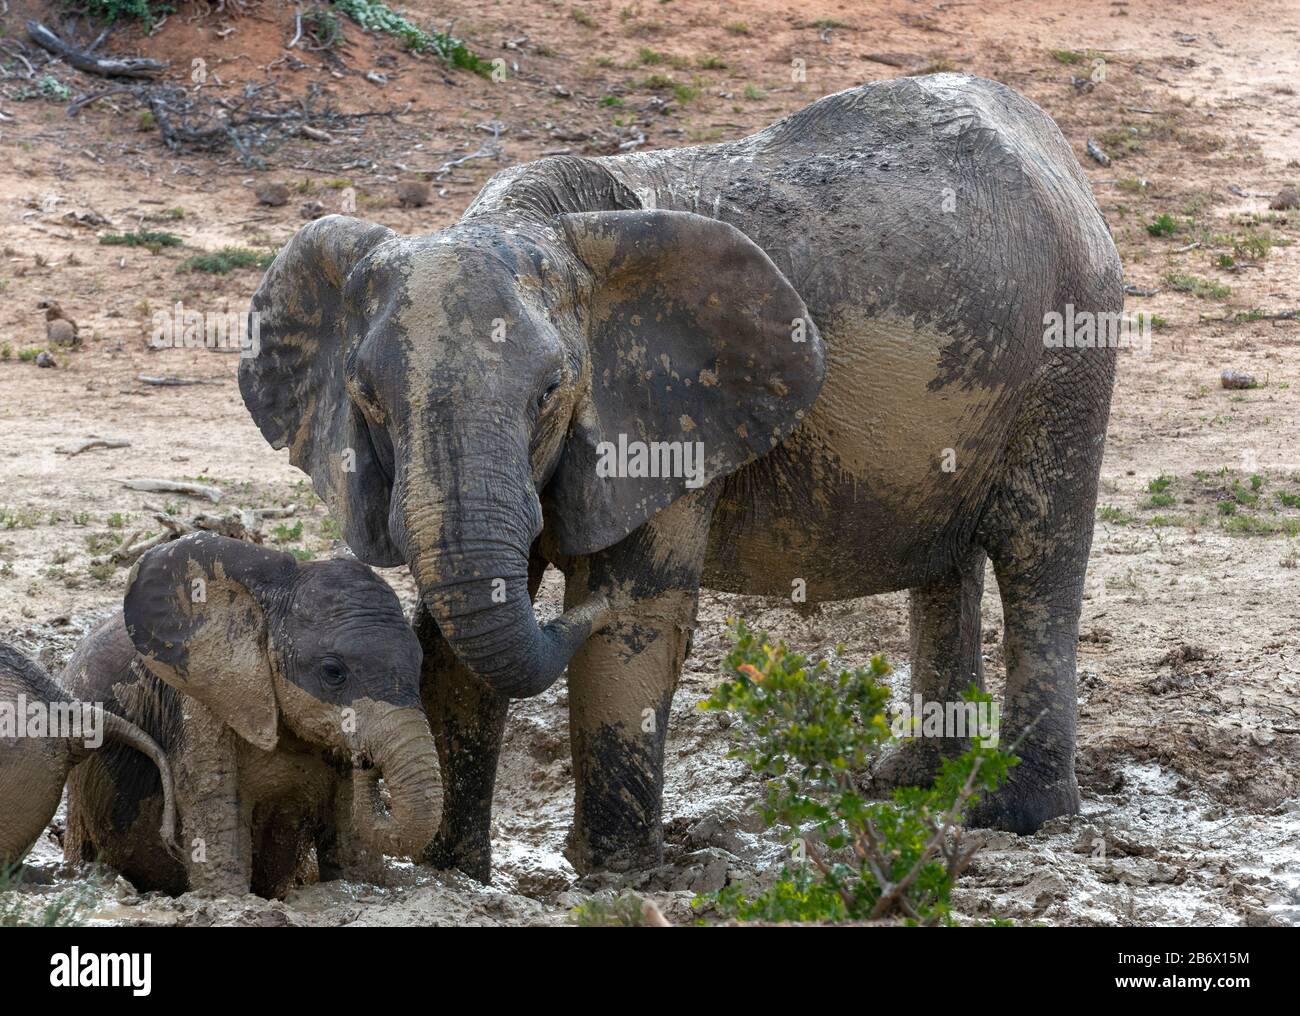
x: 318, y: 651
x: 449, y: 392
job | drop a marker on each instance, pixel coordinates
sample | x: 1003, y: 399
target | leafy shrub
x: 149, y: 239
x: 1162, y: 225
x: 805, y: 729
x: 623, y: 911
x: 227, y: 259
x: 378, y: 17
x: 147, y: 11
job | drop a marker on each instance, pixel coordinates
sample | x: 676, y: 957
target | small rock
x: 1236, y: 379
x: 271, y: 193
x: 412, y: 193
x: 1095, y: 150
x: 44, y: 359
x: 311, y: 210
x: 1287, y: 197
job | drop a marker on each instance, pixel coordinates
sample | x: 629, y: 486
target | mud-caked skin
x: 281, y: 692
x: 34, y: 763
x: 846, y: 311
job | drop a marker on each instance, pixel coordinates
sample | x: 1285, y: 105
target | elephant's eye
x: 545, y: 398
x: 332, y: 672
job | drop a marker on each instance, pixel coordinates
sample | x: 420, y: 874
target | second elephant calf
x: 280, y: 691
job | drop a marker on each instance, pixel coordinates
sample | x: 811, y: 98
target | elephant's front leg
x: 621, y: 683
x: 216, y: 838
x: 468, y: 719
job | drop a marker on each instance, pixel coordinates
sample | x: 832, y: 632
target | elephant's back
x: 929, y: 224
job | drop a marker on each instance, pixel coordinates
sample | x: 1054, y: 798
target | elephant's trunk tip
x: 597, y: 612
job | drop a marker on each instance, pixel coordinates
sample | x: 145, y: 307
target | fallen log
x: 175, y: 382
x: 107, y: 67
x: 175, y: 487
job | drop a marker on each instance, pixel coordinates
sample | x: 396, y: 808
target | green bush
x: 227, y: 259
x: 1162, y: 225
x: 806, y: 728
x: 378, y: 17
x: 147, y: 11
x: 151, y: 240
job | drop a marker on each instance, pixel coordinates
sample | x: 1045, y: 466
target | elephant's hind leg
x: 1038, y: 532
x: 621, y: 684
x: 468, y: 720
x: 946, y: 661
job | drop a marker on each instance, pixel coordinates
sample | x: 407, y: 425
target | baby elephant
x: 281, y: 692
x: 43, y: 734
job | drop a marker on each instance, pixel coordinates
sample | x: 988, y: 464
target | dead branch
x: 130, y: 67
x: 232, y: 525
x: 175, y: 382
x: 175, y: 487
x: 94, y: 442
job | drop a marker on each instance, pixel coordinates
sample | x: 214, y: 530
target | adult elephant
x: 843, y: 315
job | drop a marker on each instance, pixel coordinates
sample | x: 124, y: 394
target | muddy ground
x: 1190, y: 654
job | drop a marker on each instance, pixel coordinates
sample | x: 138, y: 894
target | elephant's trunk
x: 403, y: 751
x: 469, y: 557
x: 121, y: 731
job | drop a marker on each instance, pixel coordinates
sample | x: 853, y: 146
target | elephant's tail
x: 122, y: 731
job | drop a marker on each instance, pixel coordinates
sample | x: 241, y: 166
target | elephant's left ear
x: 703, y: 358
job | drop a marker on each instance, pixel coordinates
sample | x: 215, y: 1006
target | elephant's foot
x: 1025, y: 802
x: 472, y: 854
x: 914, y: 762
x: 641, y: 850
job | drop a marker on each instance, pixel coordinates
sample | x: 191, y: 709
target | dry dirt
x: 1190, y: 658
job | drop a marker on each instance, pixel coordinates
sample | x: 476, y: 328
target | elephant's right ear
x: 304, y: 325
x: 194, y: 612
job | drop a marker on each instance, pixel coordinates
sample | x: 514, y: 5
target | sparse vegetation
x: 805, y: 728
x: 151, y: 240
x: 1202, y: 289
x: 227, y: 259
x: 63, y: 909
x: 1162, y: 225
x: 378, y: 17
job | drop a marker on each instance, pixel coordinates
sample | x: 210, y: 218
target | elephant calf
x: 43, y: 735
x: 280, y: 691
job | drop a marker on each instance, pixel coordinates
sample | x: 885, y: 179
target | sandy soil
x: 1190, y: 658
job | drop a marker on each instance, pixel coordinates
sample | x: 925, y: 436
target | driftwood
x: 82, y: 60
x: 173, y: 529
x: 94, y: 442
x: 175, y: 487
x: 244, y: 524
x: 175, y: 382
